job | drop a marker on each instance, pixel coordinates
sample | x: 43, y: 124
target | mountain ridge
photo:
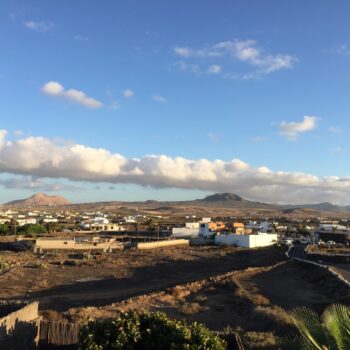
x: 216, y: 200
x: 39, y: 199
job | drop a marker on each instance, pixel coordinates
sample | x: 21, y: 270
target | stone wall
x: 19, y: 329
x: 159, y: 244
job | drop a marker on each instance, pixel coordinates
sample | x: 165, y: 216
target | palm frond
x: 311, y: 328
x: 336, y: 319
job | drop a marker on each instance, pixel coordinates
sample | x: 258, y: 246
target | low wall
x: 19, y: 330
x: 56, y: 333
x: 332, y: 271
x: 159, y: 244
x: 25, y: 314
x: 71, y: 244
x: 341, y: 259
x: 48, y: 244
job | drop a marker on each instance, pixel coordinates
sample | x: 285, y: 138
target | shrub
x: 31, y: 229
x: 191, y: 308
x: 260, y: 340
x: 4, y: 229
x: 147, y: 331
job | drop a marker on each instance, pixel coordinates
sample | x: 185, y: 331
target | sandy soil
x: 251, y: 300
x: 121, y: 275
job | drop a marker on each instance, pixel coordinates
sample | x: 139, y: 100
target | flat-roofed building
x: 77, y: 243
x: 342, y: 237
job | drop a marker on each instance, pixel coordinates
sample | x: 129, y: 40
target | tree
x: 53, y: 227
x: 136, y: 226
x: 13, y: 226
x: 4, y: 229
x: 147, y: 331
x: 31, y: 229
x: 331, y: 331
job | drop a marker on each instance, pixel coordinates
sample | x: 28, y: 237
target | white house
x: 194, y: 229
x: 191, y: 229
x: 246, y: 241
x: 266, y: 227
x: 91, y: 223
x: 101, y: 224
x: 46, y: 220
x: 26, y: 221
x: 205, y: 231
x: 332, y: 227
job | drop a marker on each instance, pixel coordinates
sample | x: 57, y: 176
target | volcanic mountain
x: 40, y: 199
x: 234, y: 201
x: 226, y: 200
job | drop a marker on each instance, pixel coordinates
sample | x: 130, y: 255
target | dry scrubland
x: 254, y: 301
x: 59, y: 282
x: 247, y: 290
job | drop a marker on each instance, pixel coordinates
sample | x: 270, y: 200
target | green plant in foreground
x: 331, y: 331
x: 147, y: 331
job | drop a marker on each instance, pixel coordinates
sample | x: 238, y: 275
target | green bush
x: 4, y: 229
x: 147, y: 331
x: 31, y: 229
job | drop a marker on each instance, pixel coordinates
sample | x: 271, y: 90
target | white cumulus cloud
x: 335, y: 129
x: 292, y: 129
x: 53, y: 88
x: 159, y: 98
x: 246, y: 51
x: 128, y: 93
x: 40, y: 26
x: 183, y: 51
x: 81, y: 38
x: 214, y: 69
x: 43, y: 157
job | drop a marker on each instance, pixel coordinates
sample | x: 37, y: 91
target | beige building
x: 77, y: 243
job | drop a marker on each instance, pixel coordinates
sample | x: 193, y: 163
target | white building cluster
x: 252, y: 235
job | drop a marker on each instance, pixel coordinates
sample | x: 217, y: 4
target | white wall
x: 185, y: 232
x: 159, y: 244
x: 22, y: 222
x: 246, y: 241
x: 192, y: 225
x: 205, y: 220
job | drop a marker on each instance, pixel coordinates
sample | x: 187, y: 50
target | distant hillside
x: 39, y: 199
x: 217, y: 201
x: 326, y: 206
x: 234, y: 201
x: 227, y: 200
x: 226, y: 197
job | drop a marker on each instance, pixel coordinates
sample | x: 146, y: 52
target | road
x: 298, y: 251
x: 342, y: 269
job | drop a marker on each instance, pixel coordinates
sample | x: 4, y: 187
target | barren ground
x: 121, y: 275
x: 251, y: 291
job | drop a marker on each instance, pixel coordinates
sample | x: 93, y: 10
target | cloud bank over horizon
x: 44, y: 157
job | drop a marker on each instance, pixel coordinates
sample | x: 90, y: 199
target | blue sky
x: 191, y: 79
